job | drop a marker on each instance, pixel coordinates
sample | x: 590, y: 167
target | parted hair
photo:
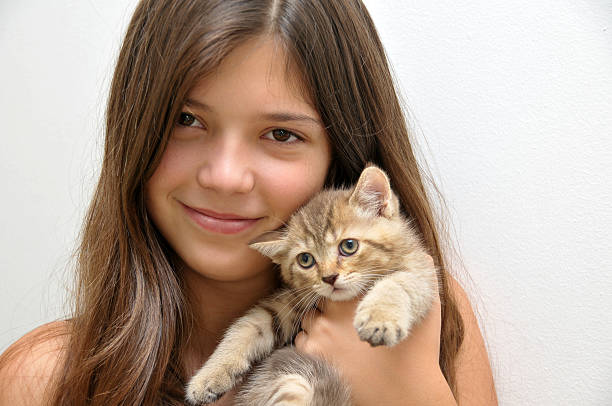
x: 130, y: 320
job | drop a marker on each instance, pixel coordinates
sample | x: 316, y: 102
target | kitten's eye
x: 305, y: 260
x: 348, y: 247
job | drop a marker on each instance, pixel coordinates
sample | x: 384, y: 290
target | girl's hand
x: 408, y: 373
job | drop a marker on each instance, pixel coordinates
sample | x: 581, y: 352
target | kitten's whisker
x: 302, y: 311
x: 293, y: 291
x: 291, y: 306
x: 301, y: 303
x: 313, y: 300
x: 296, y: 296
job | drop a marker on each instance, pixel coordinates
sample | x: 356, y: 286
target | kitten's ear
x: 271, y: 244
x: 373, y: 193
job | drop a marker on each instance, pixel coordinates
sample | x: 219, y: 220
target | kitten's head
x: 341, y: 240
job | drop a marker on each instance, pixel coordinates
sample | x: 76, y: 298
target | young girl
x: 224, y: 117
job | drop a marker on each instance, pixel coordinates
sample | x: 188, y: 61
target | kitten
x: 341, y: 244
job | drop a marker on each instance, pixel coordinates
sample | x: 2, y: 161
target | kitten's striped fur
x: 390, y: 267
x: 290, y: 378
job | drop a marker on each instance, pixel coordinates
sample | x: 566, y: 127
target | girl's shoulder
x: 29, y: 366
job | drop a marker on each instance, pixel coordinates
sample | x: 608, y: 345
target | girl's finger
x: 300, y: 340
x: 305, y: 345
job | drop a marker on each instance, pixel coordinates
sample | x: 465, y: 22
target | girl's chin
x: 229, y: 269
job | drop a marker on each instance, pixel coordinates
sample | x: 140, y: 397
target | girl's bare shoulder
x: 28, y: 367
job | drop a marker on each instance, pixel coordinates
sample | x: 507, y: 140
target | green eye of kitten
x: 305, y: 260
x: 348, y: 247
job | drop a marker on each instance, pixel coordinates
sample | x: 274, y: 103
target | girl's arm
x: 407, y: 373
x: 28, y: 368
x: 474, y: 376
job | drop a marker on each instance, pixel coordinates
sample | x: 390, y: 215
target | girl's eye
x: 348, y: 247
x: 305, y: 260
x: 283, y: 136
x: 189, y: 120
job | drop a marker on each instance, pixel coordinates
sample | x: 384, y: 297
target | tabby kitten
x: 341, y: 244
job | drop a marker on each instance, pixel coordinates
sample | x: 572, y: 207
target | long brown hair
x: 131, y: 321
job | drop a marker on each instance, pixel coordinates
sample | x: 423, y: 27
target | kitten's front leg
x: 393, y: 305
x: 247, y: 341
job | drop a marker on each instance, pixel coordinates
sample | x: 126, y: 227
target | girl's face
x: 246, y: 152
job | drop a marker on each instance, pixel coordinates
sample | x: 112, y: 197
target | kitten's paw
x: 207, y: 386
x: 380, y: 326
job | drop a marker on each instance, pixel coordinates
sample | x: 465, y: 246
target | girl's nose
x: 227, y: 167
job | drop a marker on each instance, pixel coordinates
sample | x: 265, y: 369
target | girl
x: 224, y: 117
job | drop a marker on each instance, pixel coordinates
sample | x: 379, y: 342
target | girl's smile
x: 224, y: 223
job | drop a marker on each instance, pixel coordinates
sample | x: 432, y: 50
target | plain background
x: 512, y: 107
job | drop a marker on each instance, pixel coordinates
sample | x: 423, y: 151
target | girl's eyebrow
x: 281, y: 116
x: 198, y: 105
x: 288, y: 116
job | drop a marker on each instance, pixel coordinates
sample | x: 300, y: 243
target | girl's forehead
x: 261, y: 67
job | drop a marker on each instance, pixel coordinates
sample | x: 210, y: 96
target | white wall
x: 512, y: 102
x: 57, y: 58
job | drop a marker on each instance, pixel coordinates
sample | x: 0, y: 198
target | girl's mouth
x: 223, y: 223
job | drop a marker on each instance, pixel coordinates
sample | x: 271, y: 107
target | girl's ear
x: 271, y: 244
x: 373, y: 194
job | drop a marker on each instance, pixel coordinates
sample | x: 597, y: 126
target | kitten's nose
x: 330, y: 279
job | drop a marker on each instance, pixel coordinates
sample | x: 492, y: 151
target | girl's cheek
x: 294, y: 185
x: 178, y: 161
